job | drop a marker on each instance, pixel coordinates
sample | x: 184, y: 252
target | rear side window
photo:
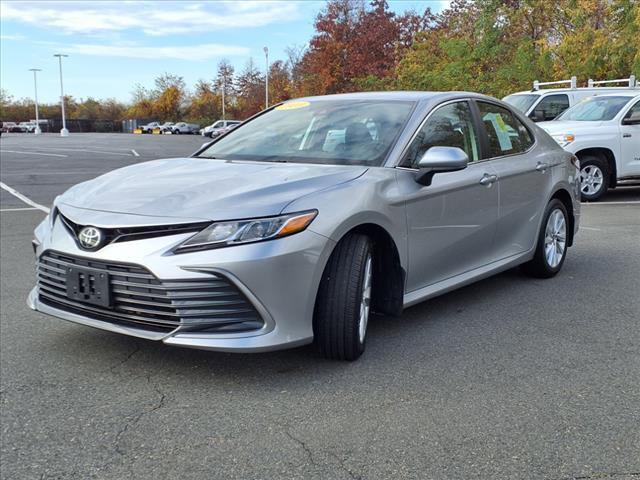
x: 551, y: 106
x: 507, y: 135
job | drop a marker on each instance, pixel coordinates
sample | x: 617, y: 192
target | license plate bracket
x: 88, y: 286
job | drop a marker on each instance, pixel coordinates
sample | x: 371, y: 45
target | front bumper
x: 280, y: 278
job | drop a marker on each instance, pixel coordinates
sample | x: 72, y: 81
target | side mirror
x: 440, y: 160
x: 537, y: 115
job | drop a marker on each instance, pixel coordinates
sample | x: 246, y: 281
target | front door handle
x: 488, y: 180
x: 542, y: 167
x: 626, y: 135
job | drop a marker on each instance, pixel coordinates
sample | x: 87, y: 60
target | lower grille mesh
x: 140, y: 300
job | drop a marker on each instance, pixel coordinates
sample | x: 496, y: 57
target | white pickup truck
x: 543, y: 104
x: 604, y: 133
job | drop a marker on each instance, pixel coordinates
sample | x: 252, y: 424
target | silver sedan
x: 302, y: 222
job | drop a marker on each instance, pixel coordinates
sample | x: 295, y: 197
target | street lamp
x: 223, y: 80
x: 37, y: 130
x: 266, y: 83
x: 64, y: 132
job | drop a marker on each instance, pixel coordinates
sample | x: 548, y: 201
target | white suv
x: 604, y: 133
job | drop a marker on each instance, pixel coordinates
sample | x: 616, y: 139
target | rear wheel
x: 343, y: 304
x: 551, y: 248
x: 594, y: 177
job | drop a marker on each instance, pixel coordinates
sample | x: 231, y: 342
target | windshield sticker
x: 292, y: 105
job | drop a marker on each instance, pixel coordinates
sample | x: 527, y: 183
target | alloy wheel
x: 365, y: 302
x: 555, y: 238
x: 591, y: 179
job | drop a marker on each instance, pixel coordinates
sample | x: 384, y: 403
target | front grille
x: 142, y: 301
x: 127, y: 234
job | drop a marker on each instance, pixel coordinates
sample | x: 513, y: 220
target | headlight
x: 564, y: 139
x: 224, y: 234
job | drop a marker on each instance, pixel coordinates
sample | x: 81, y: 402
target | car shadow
x: 386, y: 343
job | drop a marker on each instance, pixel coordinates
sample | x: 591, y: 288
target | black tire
x: 601, y: 164
x: 539, y: 266
x: 336, y: 318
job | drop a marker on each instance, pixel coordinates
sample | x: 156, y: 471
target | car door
x: 525, y: 178
x: 450, y: 223
x: 630, y: 142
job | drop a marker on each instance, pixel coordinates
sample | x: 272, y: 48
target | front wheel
x: 551, y: 247
x: 343, y: 304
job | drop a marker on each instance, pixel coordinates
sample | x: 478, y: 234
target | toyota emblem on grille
x: 90, y: 237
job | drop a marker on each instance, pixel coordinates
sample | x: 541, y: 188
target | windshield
x: 336, y: 132
x: 520, y: 101
x: 595, y: 109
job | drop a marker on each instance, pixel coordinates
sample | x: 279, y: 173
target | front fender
x: 372, y: 198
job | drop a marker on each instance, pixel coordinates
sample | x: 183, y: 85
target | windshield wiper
x: 273, y: 158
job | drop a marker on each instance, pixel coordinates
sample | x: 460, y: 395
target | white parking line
x: 83, y: 150
x: 590, y: 228
x: 34, y: 153
x: 599, y: 204
x: 22, y: 174
x: 20, y: 196
x: 135, y: 154
x: 17, y: 209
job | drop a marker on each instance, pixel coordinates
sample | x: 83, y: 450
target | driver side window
x: 448, y: 126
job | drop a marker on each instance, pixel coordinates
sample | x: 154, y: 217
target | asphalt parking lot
x: 509, y: 378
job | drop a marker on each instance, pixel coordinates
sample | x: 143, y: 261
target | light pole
x: 64, y: 132
x: 37, y: 130
x: 266, y: 83
x: 223, y: 99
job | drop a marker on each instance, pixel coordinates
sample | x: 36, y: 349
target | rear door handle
x: 488, y: 180
x: 541, y: 167
x: 626, y: 135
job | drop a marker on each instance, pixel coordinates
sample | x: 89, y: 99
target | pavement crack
x: 344, y: 468
x: 136, y: 418
x: 311, y: 458
x: 127, y: 358
x: 302, y: 444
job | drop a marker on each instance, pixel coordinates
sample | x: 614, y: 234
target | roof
x: 628, y: 93
x: 411, y: 96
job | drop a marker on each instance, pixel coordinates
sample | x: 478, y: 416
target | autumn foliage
x: 490, y: 46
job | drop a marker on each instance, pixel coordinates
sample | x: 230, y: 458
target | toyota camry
x: 299, y: 224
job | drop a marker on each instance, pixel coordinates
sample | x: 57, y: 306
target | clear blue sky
x: 114, y: 45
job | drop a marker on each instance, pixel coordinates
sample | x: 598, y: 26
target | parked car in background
x: 273, y: 237
x: 211, y: 131
x: 166, y: 127
x: 182, y: 127
x: 604, y: 133
x: 149, y: 127
x: 544, y: 104
x: 27, y: 127
x: 11, y: 127
x: 221, y: 131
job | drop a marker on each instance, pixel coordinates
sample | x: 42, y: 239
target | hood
x: 556, y: 127
x: 196, y: 188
